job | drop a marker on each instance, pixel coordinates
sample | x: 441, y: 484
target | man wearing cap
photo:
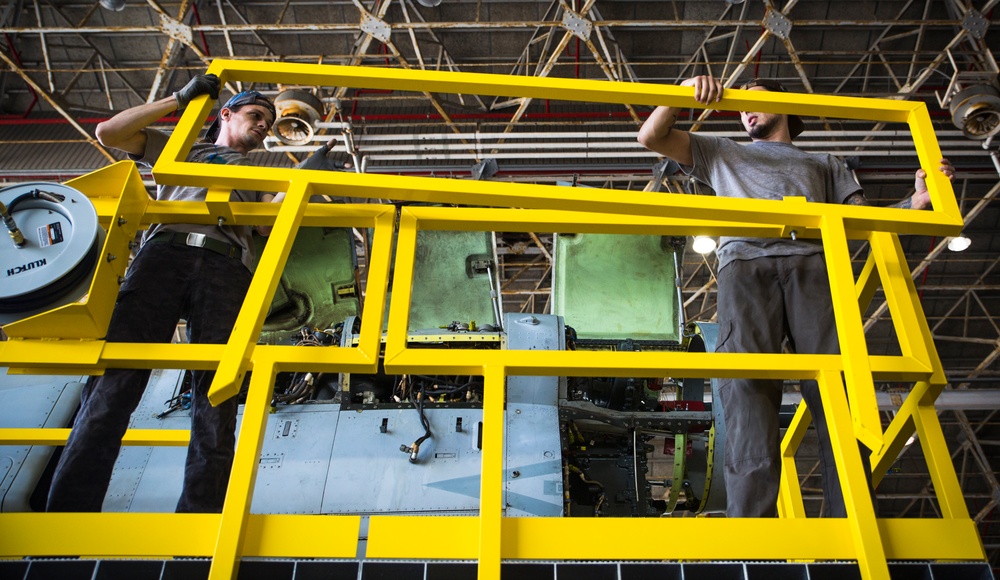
x: 770, y: 289
x: 200, y: 273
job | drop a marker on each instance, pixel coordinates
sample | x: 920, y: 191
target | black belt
x: 197, y: 241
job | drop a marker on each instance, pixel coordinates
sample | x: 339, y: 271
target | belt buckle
x: 196, y: 240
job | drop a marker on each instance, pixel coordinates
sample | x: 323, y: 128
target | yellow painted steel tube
x: 732, y: 538
x: 253, y: 213
x: 151, y: 535
x: 896, y: 436
x: 301, y: 536
x: 868, y: 283
x: 233, y: 366
x: 134, y: 437
x: 805, y: 218
x: 491, y: 479
x: 929, y: 153
x: 217, y: 203
x: 327, y: 359
x: 853, y: 346
x: 85, y: 357
x: 618, y: 364
x: 641, y: 364
x: 790, y: 503
x: 232, y: 529
x: 926, y: 538
x: 579, y: 222
x: 420, y: 189
x: 377, y: 288
x: 167, y: 535
x: 120, y: 535
x: 903, y: 426
x: 399, y: 309
x: 860, y: 511
x: 915, y: 338
x: 742, y: 538
x: 591, y: 91
x: 939, y: 464
x: 389, y: 537
x: 74, y: 354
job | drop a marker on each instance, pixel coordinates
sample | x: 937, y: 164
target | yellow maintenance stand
x: 67, y: 340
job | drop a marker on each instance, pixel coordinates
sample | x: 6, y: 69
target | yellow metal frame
x: 67, y: 340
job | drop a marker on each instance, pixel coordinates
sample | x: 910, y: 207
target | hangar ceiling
x: 70, y: 64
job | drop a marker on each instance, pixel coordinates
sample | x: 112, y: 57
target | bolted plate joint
x: 578, y: 25
x: 377, y: 28
x: 975, y: 23
x: 777, y: 23
x: 176, y: 30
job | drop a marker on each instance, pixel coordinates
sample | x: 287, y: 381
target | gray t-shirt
x: 240, y: 236
x: 767, y: 170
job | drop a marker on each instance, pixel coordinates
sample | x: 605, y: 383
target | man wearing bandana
x: 199, y: 273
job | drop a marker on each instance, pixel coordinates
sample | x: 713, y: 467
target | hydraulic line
x: 414, y: 449
x: 6, y: 212
x: 15, y: 233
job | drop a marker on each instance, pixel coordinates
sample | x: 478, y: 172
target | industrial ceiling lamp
x: 703, y: 244
x: 298, y: 112
x: 116, y: 5
x: 976, y: 111
x: 973, y: 99
x: 429, y: 3
x: 959, y: 244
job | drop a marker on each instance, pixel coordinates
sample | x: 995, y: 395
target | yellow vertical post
x: 233, y: 365
x: 853, y: 347
x: 235, y: 512
x: 399, y: 306
x: 491, y: 479
x: 379, y: 262
x: 860, y: 511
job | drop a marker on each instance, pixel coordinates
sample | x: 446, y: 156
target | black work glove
x: 199, y: 85
x: 319, y: 160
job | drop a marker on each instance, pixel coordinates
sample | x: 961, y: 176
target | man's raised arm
x: 658, y: 134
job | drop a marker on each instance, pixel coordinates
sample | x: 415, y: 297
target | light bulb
x: 703, y: 244
x: 959, y: 244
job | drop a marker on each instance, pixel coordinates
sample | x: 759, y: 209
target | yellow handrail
x: 67, y: 340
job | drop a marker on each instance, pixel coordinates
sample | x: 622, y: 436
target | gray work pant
x: 762, y: 302
x: 165, y: 283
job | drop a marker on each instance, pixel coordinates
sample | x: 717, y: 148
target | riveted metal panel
x: 35, y: 401
x: 374, y: 476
